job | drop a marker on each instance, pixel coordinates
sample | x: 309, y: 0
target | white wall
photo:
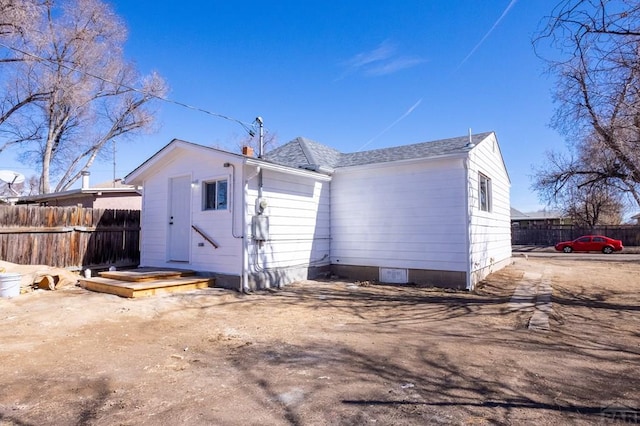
x: 200, y: 166
x: 490, y: 232
x: 299, y: 222
x: 298, y: 212
x: 409, y: 215
x: 108, y: 201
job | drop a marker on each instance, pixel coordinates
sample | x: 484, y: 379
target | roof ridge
x: 306, y: 150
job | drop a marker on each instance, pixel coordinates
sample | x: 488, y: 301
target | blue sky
x: 353, y: 75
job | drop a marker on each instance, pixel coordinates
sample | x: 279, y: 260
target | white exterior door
x: 179, y: 218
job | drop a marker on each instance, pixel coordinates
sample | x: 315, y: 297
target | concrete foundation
x: 443, y: 279
x: 279, y: 277
x: 231, y: 282
x: 481, y: 274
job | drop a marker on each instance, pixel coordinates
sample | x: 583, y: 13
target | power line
x: 249, y: 128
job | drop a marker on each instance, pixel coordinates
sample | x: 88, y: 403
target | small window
x: 214, y: 195
x: 484, y: 192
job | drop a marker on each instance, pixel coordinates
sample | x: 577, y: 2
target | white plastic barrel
x: 9, y: 284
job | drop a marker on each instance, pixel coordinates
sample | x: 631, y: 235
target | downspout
x: 467, y: 194
x: 243, y: 261
x: 244, y: 285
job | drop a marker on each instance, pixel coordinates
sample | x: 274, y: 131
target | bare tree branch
x: 74, y: 93
x: 595, y: 55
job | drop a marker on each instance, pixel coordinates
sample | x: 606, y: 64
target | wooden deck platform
x: 145, y: 282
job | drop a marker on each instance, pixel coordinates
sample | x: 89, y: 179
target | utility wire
x: 249, y: 128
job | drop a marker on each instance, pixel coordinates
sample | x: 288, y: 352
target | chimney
x: 247, y: 150
x: 85, y: 179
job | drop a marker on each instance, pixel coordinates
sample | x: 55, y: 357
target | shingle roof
x: 302, y: 152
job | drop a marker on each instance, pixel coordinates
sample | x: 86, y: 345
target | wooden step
x: 145, y: 288
x: 146, y: 274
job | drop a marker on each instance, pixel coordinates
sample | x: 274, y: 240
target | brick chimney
x: 247, y: 150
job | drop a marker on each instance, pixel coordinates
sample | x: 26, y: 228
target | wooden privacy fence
x: 69, y: 237
x: 550, y: 235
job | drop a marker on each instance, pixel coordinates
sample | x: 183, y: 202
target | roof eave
x: 79, y: 192
x: 455, y: 155
x: 286, y: 169
x: 137, y: 176
x: 318, y: 168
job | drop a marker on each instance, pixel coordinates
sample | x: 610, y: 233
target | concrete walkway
x: 533, y: 295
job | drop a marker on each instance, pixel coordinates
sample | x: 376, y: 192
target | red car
x: 591, y: 243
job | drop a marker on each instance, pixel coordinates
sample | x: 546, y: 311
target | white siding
x: 299, y: 222
x: 420, y: 214
x: 227, y: 258
x: 490, y: 232
x: 400, y: 216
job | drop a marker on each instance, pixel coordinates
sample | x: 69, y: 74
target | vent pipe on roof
x: 261, y: 136
x: 85, y: 179
x: 470, y: 144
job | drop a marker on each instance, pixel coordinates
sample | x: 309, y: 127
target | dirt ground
x: 325, y: 353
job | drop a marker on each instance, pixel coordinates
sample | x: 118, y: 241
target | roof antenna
x: 470, y: 143
x: 114, y: 163
x: 261, y: 140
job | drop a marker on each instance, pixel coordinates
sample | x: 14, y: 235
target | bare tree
x: 74, y: 90
x: 586, y: 186
x: 596, y: 52
x: 270, y: 141
x: 593, y: 205
x: 18, y: 20
x: 17, y: 16
x: 587, y: 203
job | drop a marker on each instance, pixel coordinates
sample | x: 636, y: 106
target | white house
x: 433, y: 213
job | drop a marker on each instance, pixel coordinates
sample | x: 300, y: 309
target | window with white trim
x: 214, y: 195
x: 484, y: 192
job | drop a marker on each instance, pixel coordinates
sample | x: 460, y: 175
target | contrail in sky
x: 382, y: 60
x: 402, y: 117
x: 506, y: 11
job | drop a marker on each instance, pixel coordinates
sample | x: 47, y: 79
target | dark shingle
x: 302, y: 152
x: 290, y: 154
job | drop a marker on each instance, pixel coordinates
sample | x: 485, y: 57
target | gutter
x: 243, y: 261
x: 244, y: 285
